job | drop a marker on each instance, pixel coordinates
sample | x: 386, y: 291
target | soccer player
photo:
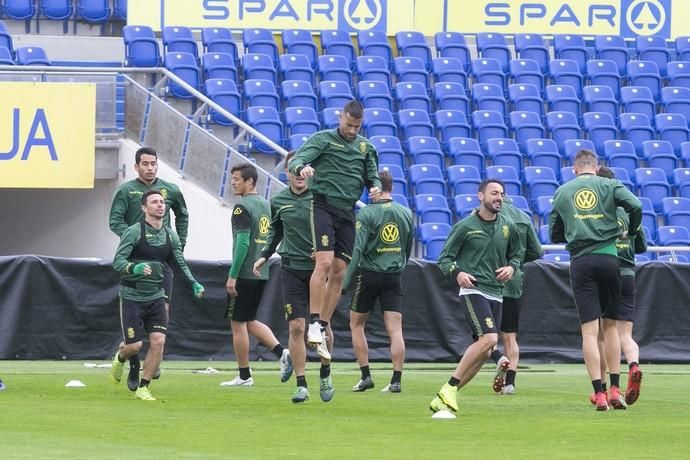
x: 481, y: 253
x: 251, y: 224
x: 341, y: 163
x: 584, y: 217
x: 506, y: 366
x: 125, y: 211
x: 383, y: 244
x: 145, y: 249
x: 290, y: 211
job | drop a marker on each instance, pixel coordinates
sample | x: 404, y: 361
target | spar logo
x: 646, y: 17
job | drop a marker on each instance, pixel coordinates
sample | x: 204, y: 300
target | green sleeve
x: 118, y: 208
x: 239, y: 253
x: 516, y: 250
x: 275, y: 235
x: 447, y: 259
x: 128, y: 240
x: 178, y: 257
x: 307, y: 153
x: 556, y: 228
x: 626, y: 200
x: 533, y: 249
x: 410, y: 236
x: 179, y: 207
x: 360, y: 241
x: 371, y: 178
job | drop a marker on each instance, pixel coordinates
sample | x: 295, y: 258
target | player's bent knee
x: 157, y: 340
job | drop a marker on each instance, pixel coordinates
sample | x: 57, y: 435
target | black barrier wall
x: 52, y: 308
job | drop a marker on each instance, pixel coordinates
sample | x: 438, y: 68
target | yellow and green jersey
x: 528, y: 240
x: 251, y: 225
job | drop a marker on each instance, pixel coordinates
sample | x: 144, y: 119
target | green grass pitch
x: 549, y: 416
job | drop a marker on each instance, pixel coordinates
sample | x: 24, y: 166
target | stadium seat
x: 645, y: 73
x: 504, y: 152
x: 466, y: 151
x: 19, y: 9
x: 301, y: 120
x: 415, y: 123
x: 413, y: 44
x: 541, y: 181
x: 298, y: 93
x: 566, y: 72
x: 446, y: 69
x: 488, y: 124
x: 120, y: 10
x: 296, y: 67
x: 401, y: 199
x: 219, y: 65
x: 389, y: 150
x: 375, y: 95
x: 660, y: 154
x: 560, y: 257
x: 450, y: 124
x: 339, y: 43
x: 612, y: 47
x: 465, y: 204
x: 427, y: 179
x: 604, y: 72
x: 486, y: 70
x: 453, y: 45
x: 672, y: 127
x: 412, y: 95
x: 653, y: 184
x: 544, y: 153
x: 258, y: 67
x: 399, y: 181
x: 600, y: 127
x: 508, y: 175
x: 653, y: 48
x: 492, y: 45
x: 635, y: 127
x: 526, y: 126
x: 621, y: 154
x: 433, y: 236
x: 598, y: 98
x: 683, y: 48
x: 373, y: 68
x: 57, y: 10
x: 141, y: 47
x: 563, y: 126
x: 260, y: 41
x: 334, y: 94
x: 32, y: 55
x: 623, y: 176
x: 179, y: 39
x: 526, y: 98
x: 330, y: 117
x: 675, y: 99
x: 219, y: 40
x: 544, y: 205
x: 679, y: 73
x: 673, y: 258
x: 571, y: 47
x: 300, y: 41
x: 463, y: 179
x: 379, y: 122
x: 432, y: 209
x: 261, y: 93
x: 411, y: 69
x: 638, y: 99
x: 641, y: 258
x: 521, y: 203
x: 670, y: 235
x: 426, y: 150
x: 544, y: 237
x: 451, y: 96
x: 685, y: 153
x: 266, y: 121
x: 487, y: 96
x: 677, y: 211
x: 567, y: 174
x: 375, y: 43
x: 572, y: 146
x: 527, y: 72
x: 649, y: 219
x: 5, y: 36
x: 532, y: 46
x: 94, y: 11
x: 224, y: 93
x: 563, y: 98
x: 681, y: 180
x: 6, y: 57
x: 334, y: 67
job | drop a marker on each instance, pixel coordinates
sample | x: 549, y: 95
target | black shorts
x: 295, y: 287
x: 168, y: 279
x: 370, y: 286
x: 626, y: 309
x: 333, y: 229
x: 596, y: 284
x: 245, y: 304
x: 483, y: 315
x: 511, y: 314
x: 138, y: 319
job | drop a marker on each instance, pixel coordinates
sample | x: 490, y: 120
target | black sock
x: 633, y: 364
x: 510, y: 377
x: 603, y: 386
x: 278, y: 350
x: 314, y: 317
x: 301, y: 381
x: 144, y: 383
x: 244, y: 373
x: 496, y: 355
x: 324, y: 324
x: 453, y: 382
x: 615, y: 380
x: 325, y: 371
x: 134, y: 361
x: 596, y: 384
x: 397, y: 375
x: 365, y: 372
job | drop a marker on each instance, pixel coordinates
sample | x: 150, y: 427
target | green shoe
x: 437, y: 405
x: 300, y: 395
x: 326, y: 390
x: 449, y: 396
x: 116, y: 369
x: 144, y: 394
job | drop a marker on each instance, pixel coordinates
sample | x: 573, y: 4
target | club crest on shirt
x: 130, y: 332
x: 489, y: 322
x: 324, y: 240
x: 164, y: 193
x: 363, y: 147
x: 237, y: 211
x: 506, y: 231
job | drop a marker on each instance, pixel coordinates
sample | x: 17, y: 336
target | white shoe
x: 508, y: 390
x: 314, y: 336
x: 238, y: 382
x: 501, y: 371
x: 285, y: 366
x: 322, y: 350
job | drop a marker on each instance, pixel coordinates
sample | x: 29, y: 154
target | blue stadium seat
x: 598, y: 98
x: 179, y: 39
x: 563, y: 126
x: 649, y: 219
x: 683, y: 48
x: 604, y: 72
x: 330, y: 117
x: 685, y: 153
x: 412, y: 95
x: 672, y: 127
x: 508, y: 175
x: 641, y: 258
x: 679, y: 73
x: 623, y: 176
x: 295, y: 67
x: 219, y: 40
x: 375, y: 43
x: 543, y: 206
x: 673, y: 258
x: 120, y: 10
x: 415, y: 123
x: 566, y: 72
x: 399, y: 181
x: 567, y: 174
x: 677, y: 211
x: 532, y: 46
x: 465, y: 203
x: 32, y: 55
x: 463, y: 179
x: 681, y: 180
x: 224, y: 93
x: 572, y: 146
x: 300, y: 41
x: 301, y: 120
x: 488, y: 124
x: 219, y: 65
x: 612, y: 47
x: 389, y: 150
x: 675, y: 99
x: 560, y: 257
x: 334, y: 94
x: 375, y: 95
x: 544, y: 153
x: 451, y: 96
x: 6, y: 57
x: 410, y: 69
x: 526, y: 126
x: 379, y: 122
x: 527, y: 72
x: 621, y: 154
x: 563, y: 98
x: 427, y: 179
x: 450, y: 124
x: 426, y: 151
x: 413, y: 44
x: 541, y: 181
x: 266, y: 121
x: 333, y: 67
x: 505, y: 152
x: 526, y: 98
x: 493, y: 45
x: 660, y: 154
x: 645, y: 73
x: 57, y: 10
x: 261, y: 93
x: 653, y: 48
x: 433, y: 236
x: 638, y: 99
x: 487, y: 70
x: 94, y: 11
x: 544, y: 237
x: 373, y: 68
x: 487, y: 96
x: 670, y: 235
x: 400, y: 198
x: 260, y: 41
x: 653, y: 184
x: 141, y: 47
x: 453, y: 45
x: 521, y: 203
x: 466, y: 151
x: 257, y: 66
x: 636, y: 128
x: 446, y: 69
x: 298, y: 93
x: 5, y: 36
x: 600, y: 127
x: 339, y: 43
x: 567, y: 46
x: 432, y: 209
x: 19, y: 9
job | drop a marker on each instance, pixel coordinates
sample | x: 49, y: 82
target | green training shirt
x: 126, y: 207
x: 628, y: 248
x: 150, y: 287
x: 341, y: 168
x: 252, y: 216
x: 290, y: 228
x: 584, y: 214
x: 480, y: 247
